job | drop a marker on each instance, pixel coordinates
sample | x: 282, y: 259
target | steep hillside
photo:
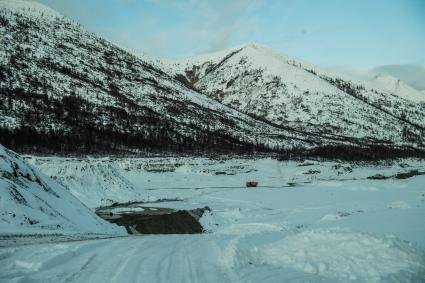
x: 31, y: 203
x: 288, y: 92
x: 64, y: 89
x: 95, y: 182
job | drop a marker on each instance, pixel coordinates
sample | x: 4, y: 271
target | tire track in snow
x: 122, y: 264
x: 79, y: 273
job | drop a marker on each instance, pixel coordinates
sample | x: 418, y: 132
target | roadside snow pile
x: 347, y: 256
x: 93, y: 182
x: 31, y: 203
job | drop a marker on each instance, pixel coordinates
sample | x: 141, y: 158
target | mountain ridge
x: 82, y: 78
x: 397, y: 86
x: 67, y: 90
x: 287, y: 71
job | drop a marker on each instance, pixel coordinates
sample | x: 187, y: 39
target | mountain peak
x: 391, y: 81
x: 398, y: 87
x: 254, y: 46
x: 258, y: 47
x: 387, y: 78
x: 26, y: 6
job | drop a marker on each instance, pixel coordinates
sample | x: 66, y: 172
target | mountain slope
x: 264, y: 83
x: 396, y: 86
x: 64, y: 89
x: 32, y: 203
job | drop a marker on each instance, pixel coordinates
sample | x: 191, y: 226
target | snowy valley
x: 307, y: 221
x: 242, y: 165
x: 72, y: 91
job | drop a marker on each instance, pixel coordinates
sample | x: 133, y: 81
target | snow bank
x: 31, y: 203
x: 94, y: 182
x: 346, y: 256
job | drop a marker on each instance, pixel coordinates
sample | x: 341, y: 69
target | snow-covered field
x: 320, y: 222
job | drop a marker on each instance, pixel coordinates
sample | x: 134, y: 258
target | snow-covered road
x: 263, y: 255
x: 328, y: 227
x: 133, y: 259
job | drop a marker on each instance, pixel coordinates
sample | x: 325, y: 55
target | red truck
x: 251, y: 184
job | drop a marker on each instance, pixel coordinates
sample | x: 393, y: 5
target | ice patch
x: 26, y: 266
x: 127, y: 209
x: 346, y: 256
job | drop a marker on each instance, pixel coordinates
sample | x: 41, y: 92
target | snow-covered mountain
x: 32, y: 203
x: 396, y: 86
x: 413, y: 75
x: 264, y: 83
x: 64, y: 89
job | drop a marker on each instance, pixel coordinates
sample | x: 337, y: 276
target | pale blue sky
x: 356, y: 33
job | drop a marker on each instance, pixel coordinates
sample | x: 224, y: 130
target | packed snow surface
x: 345, y: 255
x: 308, y: 221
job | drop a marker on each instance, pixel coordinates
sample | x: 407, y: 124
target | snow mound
x: 347, y: 256
x: 331, y: 217
x: 32, y: 203
x: 94, y: 183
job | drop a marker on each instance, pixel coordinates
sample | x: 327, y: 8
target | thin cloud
x: 210, y: 26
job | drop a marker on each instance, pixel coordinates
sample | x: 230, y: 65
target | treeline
x: 95, y: 141
x: 353, y: 153
x: 71, y: 124
x: 382, y: 105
